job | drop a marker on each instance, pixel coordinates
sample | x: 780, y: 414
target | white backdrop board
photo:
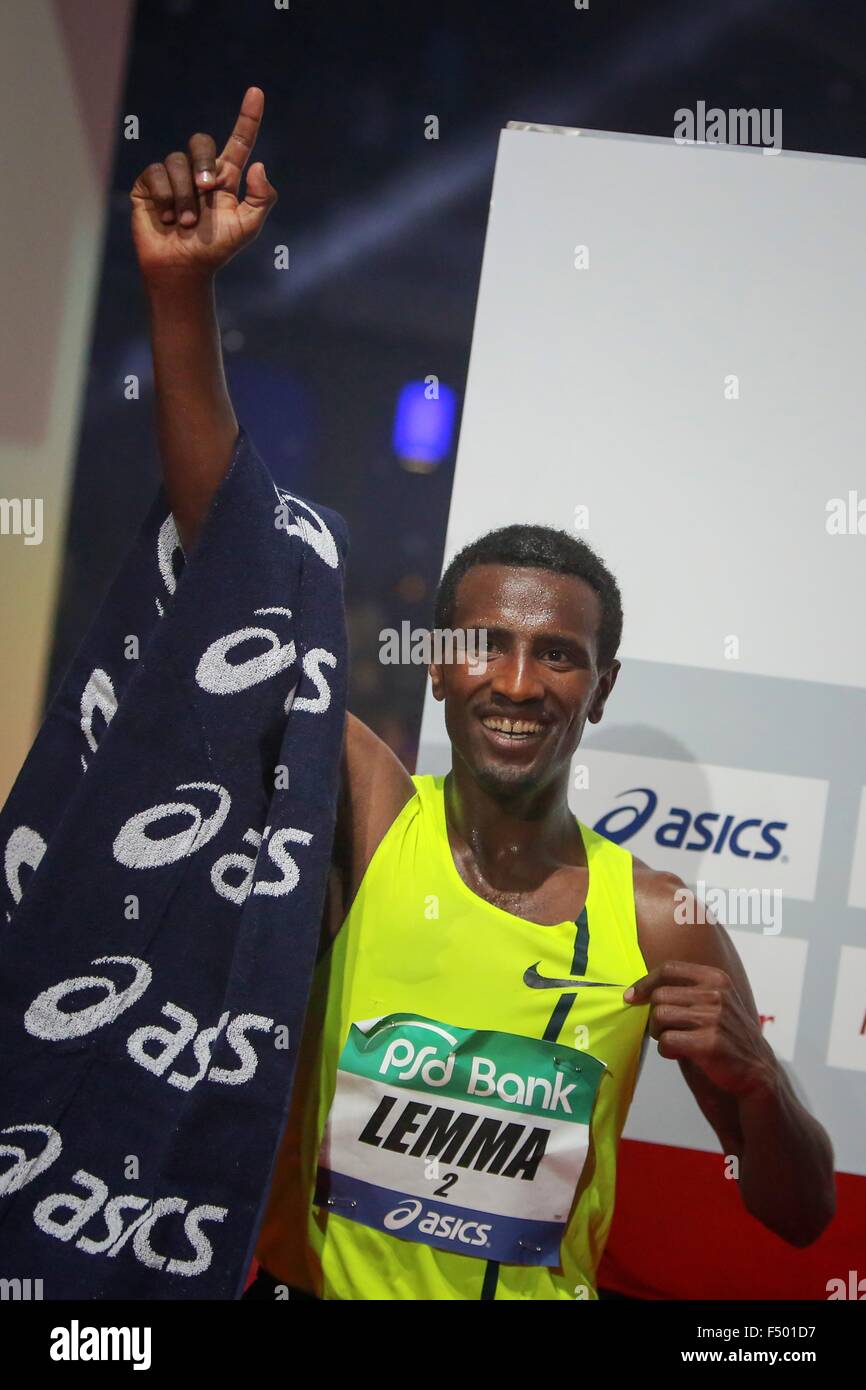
x: 668, y: 345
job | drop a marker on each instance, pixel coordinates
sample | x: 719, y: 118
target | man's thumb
x: 259, y: 197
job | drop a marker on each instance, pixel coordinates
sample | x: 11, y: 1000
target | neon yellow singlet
x: 419, y: 943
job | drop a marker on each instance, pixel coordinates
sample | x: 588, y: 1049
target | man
x: 489, y: 966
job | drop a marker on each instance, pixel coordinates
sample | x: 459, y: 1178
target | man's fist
x: 698, y: 1018
x: 186, y: 215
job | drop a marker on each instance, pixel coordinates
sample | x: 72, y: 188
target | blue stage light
x: 424, y: 426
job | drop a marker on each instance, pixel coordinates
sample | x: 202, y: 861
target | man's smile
x: 512, y: 728
x: 508, y: 733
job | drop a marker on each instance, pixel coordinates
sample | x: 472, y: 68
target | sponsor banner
x: 479, y: 1127
x: 847, y: 1046
x: 728, y: 826
x: 857, y: 884
x: 776, y: 967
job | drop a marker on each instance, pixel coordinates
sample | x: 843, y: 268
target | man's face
x: 516, y: 723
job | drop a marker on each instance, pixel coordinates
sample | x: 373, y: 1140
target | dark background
x: 386, y: 233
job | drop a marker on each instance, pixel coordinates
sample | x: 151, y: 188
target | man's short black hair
x: 544, y: 548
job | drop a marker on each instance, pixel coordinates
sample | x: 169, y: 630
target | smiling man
x: 490, y: 968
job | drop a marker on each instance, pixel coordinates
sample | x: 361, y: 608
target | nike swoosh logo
x: 532, y: 978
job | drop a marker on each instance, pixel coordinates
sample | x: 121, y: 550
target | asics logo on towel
x: 532, y: 978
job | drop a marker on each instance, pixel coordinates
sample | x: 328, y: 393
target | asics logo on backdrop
x: 747, y: 838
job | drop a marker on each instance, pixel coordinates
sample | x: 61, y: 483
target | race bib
x: 464, y: 1140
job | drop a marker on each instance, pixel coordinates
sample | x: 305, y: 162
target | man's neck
x: 511, y: 837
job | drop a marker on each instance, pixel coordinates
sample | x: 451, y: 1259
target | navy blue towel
x: 165, y: 852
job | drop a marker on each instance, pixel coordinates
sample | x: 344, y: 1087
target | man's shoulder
x: 656, y: 891
x: 661, y: 899
x: 673, y: 924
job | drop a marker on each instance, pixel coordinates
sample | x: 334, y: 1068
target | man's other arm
x: 703, y: 1015
x: 374, y: 788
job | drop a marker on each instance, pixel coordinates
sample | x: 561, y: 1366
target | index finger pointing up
x: 239, y: 145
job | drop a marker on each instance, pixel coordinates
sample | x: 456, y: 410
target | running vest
x: 463, y: 1079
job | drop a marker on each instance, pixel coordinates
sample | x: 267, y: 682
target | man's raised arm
x: 187, y: 221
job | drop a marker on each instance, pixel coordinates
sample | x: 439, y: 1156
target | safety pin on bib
x: 566, y: 1063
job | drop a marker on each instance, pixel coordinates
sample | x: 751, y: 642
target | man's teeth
x: 512, y: 726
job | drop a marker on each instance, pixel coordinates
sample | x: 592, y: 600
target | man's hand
x: 702, y: 1013
x: 698, y: 1018
x: 187, y: 219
